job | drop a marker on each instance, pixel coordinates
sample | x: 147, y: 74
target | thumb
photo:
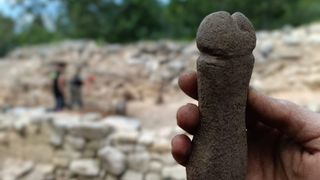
x: 294, y: 121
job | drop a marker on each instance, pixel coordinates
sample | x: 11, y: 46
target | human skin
x: 283, y: 138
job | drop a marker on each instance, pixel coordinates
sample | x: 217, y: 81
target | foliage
x: 132, y: 20
x: 111, y: 21
x: 183, y: 17
x: 6, y: 35
x: 36, y: 33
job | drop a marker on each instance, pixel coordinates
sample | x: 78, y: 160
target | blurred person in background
x: 76, y: 84
x: 58, y: 86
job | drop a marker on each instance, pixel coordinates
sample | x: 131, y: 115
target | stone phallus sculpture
x: 224, y: 70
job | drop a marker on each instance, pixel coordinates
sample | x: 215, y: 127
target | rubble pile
x: 286, y: 60
x: 96, y: 144
x: 135, y: 70
x: 36, y: 145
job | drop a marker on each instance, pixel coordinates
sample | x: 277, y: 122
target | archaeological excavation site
x: 129, y: 110
x: 159, y: 90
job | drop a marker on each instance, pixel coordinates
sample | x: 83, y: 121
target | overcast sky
x: 48, y: 14
x: 7, y: 7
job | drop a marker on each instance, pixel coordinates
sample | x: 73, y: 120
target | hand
x: 283, y: 138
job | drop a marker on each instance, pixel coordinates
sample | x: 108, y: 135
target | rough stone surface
x: 161, y: 145
x: 4, y: 139
x: 60, y: 162
x: 139, y: 161
x: 14, y: 169
x: 142, y: 65
x: 146, y: 138
x: 41, y: 172
x: 75, y: 142
x: 153, y: 176
x: 109, y: 177
x: 124, y: 137
x: 132, y: 175
x: 113, y: 160
x: 122, y: 123
x: 90, y: 130
x: 175, y: 173
x: 85, y: 167
x: 155, y: 166
x: 167, y: 159
x: 226, y: 43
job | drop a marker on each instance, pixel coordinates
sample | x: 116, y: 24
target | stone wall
x: 38, y: 146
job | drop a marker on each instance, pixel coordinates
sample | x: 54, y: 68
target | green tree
x: 184, y: 16
x: 133, y: 20
x: 36, y: 33
x: 138, y: 19
x: 307, y: 11
x: 268, y: 14
x: 127, y: 21
x: 6, y: 34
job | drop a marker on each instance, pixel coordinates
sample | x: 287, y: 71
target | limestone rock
x: 132, y: 175
x: 291, y: 54
x: 41, y: 172
x: 57, y: 137
x: 265, y: 48
x: 90, y: 130
x: 89, y: 153
x: 146, y: 138
x: 91, y: 117
x: 175, y: 173
x: 125, y: 148
x: 122, y: 123
x: 153, y: 176
x: 292, y: 40
x: 113, y: 160
x: 60, y: 162
x: 75, y: 142
x: 139, y: 161
x: 167, y: 159
x: 4, y: 139
x: 155, y: 166
x: 14, y: 169
x: 314, y: 39
x: 85, y: 167
x: 124, y: 137
x: 162, y: 145
x: 20, y: 125
x: 110, y: 177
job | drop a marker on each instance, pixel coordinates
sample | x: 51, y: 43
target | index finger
x: 188, y: 84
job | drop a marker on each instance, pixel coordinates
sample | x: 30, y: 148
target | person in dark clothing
x: 76, y: 84
x: 58, y: 84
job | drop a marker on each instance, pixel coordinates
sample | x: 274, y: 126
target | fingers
x: 288, y: 118
x: 188, y: 84
x: 181, y: 148
x: 188, y: 118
